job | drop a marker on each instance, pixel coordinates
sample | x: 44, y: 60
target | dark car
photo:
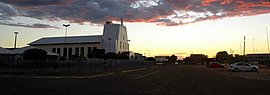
x: 215, y: 65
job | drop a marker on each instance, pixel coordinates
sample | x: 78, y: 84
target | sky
x: 155, y: 27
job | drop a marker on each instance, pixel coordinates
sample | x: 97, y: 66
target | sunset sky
x: 155, y: 27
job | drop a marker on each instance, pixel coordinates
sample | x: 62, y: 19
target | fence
x: 72, y: 67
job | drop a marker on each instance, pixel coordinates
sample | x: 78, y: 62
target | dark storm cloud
x: 37, y: 25
x: 163, y: 12
x: 31, y: 3
x: 6, y: 11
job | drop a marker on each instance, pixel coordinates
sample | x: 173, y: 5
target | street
x: 158, y: 80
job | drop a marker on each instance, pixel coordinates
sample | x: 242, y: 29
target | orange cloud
x: 207, y: 2
x: 164, y: 12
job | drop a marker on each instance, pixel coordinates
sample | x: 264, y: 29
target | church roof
x: 69, y: 40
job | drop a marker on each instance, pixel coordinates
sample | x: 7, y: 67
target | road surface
x: 161, y: 80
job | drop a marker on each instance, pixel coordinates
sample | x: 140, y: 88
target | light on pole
x: 16, y: 34
x: 109, y: 39
x: 65, y: 47
x: 244, y: 53
x: 253, y: 50
x: 128, y: 44
x: 267, y: 39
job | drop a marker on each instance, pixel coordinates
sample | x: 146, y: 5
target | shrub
x: 35, y: 54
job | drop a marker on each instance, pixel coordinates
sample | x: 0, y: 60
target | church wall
x: 76, y: 49
x: 118, y: 38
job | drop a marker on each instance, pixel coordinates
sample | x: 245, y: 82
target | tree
x: 112, y: 55
x: 222, y: 57
x: 96, y: 53
x: 151, y: 59
x: 35, y: 54
x: 173, y: 58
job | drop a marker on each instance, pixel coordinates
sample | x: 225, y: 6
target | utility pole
x: 268, y: 49
x: 244, y: 53
x: 267, y: 38
x: 16, y: 34
x: 65, y: 47
x: 253, y: 50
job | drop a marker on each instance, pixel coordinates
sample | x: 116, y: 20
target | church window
x: 54, y: 50
x: 82, y: 51
x: 69, y: 51
x: 77, y: 51
x: 58, y: 51
x: 120, y: 45
x: 65, y: 51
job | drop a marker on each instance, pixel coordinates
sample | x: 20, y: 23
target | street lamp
x: 128, y: 44
x: 109, y: 43
x: 66, y: 25
x: 16, y: 34
x: 253, y: 50
x: 244, y: 52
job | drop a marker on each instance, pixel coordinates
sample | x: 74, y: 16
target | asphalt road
x: 162, y: 80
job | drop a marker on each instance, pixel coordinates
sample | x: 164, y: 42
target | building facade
x: 263, y: 58
x: 114, y: 39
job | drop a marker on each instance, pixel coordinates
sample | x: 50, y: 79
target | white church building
x: 114, y: 39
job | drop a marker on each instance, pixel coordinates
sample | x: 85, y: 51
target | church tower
x: 115, y: 37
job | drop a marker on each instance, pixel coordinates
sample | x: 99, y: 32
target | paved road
x: 169, y: 80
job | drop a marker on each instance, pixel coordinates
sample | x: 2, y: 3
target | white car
x: 243, y: 66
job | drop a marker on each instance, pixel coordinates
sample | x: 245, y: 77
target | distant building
x: 161, y: 58
x: 16, y: 55
x: 262, y: 58
x: 198, y: 58
x: 114, y: 39
x: 138, y: 56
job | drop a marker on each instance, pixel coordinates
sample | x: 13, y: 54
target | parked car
x: 215, y: 65
x: 243, y: 66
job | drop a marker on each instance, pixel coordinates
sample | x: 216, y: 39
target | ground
x: 158, y: 80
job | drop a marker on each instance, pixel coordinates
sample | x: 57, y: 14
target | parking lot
x: 159, y: 80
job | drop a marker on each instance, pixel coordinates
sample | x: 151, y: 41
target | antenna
x: 122, y: 22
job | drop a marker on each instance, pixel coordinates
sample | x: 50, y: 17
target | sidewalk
x: 262, y: 74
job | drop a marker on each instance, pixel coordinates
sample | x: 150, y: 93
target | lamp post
x: 65, y: 47
x: 109, y: 39
x: 268, y: 44
x: 16, y: 34
x: 128, y: 44
x: 244, y: 52
x: 253, y: 50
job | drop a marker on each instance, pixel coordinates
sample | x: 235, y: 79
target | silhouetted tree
x: 150, y: 59
x: 112, y: 55
x: 35, y: 54
x: 222, y: 57
x: 187, y: 60
x: 173, y: 58
x: 96, y: 53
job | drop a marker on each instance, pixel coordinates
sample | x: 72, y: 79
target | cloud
x: 180, y: 53
x: 37, y: 25
x: 162, y: 12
